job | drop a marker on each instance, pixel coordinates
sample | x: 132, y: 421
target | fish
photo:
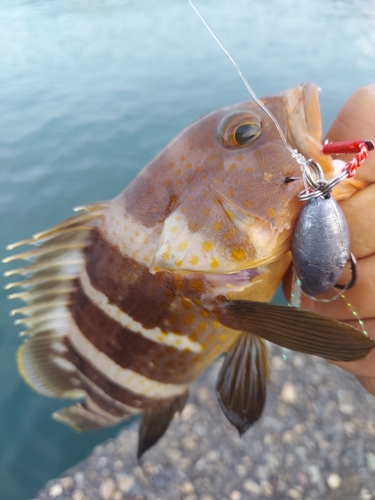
x: 130, y: 300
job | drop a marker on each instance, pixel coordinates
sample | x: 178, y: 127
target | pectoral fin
x: 242, y: 382
x: 155, y: 421
x: 297, y: 329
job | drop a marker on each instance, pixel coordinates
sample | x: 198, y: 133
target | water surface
x: 91, y: 90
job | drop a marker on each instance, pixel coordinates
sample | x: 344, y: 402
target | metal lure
x: 320, y: 245
x: 320, y: 239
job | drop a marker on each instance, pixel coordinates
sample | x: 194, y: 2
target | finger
x: 359, y: 212
x: 356, y: 121
x: 368, y: 383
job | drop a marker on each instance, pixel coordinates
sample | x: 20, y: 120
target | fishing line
x: 295, y: 154
x: 295, y: 301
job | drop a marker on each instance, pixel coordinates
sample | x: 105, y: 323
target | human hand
x: 356, y: 120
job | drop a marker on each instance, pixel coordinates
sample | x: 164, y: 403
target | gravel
x: 315, y: 440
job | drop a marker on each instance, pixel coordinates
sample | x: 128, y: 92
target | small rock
x: 267, y: 489
x: 334, y: 481
x: 370, y: 461
x: 107, y: 488
x: 277, y: 363
x: 235, y: 495
x: 288, y: 393
x: 125, y: 482
x: 67, y: 482
x: 55, y: 490
x: 346, y: 409
x: 186, y: 488
x: 118, y: 465
x: 212, y: 456
x: 79, y: 479
x: 299, y: 428
x: 203, y: 394
x: 262, y: 472
x: 294, y: 494
x: 350, y: 428
x: 78, y: 495
x: 240, y: 470
x: 288, y: 437
x: 365, y: 494
x: 252, y: 487
x: 188, y: 412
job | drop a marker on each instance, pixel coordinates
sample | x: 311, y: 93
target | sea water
x: 90, y: 91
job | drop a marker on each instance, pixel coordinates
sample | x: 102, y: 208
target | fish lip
x: 305, y: 124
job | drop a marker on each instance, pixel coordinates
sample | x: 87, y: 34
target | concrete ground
x: 315, y: 441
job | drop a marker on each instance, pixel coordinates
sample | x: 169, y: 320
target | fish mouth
x: 305, y: 124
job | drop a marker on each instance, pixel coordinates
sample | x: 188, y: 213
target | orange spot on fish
x: 228, y: 235
x: 202, y: 326
x: 248, y: 203
x: 188, y: 318
x: 174, y: 229
x: 181, y: 247
x: 194, y: 260
x: 214, y: 264
x: 218, y: 225
x: 188, y: 165
x: 207, y: 246
x: 206, y: 211
x: 182, y: 157
x: 230, y: 192
x: 171, y: 164
x: 193, y: 226
x: 178, y: 263
x: 249, y: 170
x: 178, y: 171
x: 238, y: 254
x: 233, y: 166
x: 271, y: 212
x: 239, y: 157
x: 204, y: 313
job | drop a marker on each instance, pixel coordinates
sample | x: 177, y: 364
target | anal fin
x: 85, y: 415
x: 156, y: 419
x: 242, y: 382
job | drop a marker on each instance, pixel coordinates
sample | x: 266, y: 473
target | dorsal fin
x: 54, y: 262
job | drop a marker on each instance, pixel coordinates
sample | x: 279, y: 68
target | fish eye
x: 239, y: 129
